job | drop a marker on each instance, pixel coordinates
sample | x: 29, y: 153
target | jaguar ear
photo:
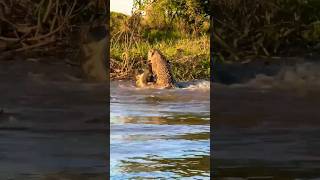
x: 152, y: 52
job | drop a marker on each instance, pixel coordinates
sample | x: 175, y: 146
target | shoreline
x: 59, y: 67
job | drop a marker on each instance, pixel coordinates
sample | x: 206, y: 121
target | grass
x: 190, y: 57
x: 132, y: 37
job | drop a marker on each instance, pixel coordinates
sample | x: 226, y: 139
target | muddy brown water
x: 268, y: 128
x: 53, y: 124
x: 160, y: 133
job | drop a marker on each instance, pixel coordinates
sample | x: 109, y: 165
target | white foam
x: 196, y: 84
x: 306, y: 75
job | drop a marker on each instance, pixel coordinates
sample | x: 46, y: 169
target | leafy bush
x: 181, y: 34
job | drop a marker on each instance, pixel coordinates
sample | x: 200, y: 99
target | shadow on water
x: 169, y: 120
x: 180, y: 167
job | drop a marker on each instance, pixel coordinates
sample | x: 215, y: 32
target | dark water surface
x: 160, y: 134
x: 50, y: 127
x: 53, y: 126
x: 269, y: 128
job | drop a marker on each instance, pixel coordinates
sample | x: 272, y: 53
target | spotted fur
x: 160, y: 69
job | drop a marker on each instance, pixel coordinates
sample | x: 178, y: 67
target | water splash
x: 192, y: 85
x: 301, y: 76
x: 196, y: 84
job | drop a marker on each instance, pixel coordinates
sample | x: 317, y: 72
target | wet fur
x: 145, y: 79
x: 161, y: 69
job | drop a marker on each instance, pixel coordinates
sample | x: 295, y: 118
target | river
x: 52, y: 124
x: 268, y: 127
x: 160, y: 134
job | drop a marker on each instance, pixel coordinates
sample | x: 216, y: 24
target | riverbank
x: 189, y: 57
x: 185, y: 42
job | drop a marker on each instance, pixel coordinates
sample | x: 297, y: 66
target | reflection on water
x: 159, y: 134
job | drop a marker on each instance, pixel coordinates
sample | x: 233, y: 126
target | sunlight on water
x: 160, y: 133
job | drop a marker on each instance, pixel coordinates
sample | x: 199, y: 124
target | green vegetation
x: 246, y: 30
x: 179, y: 29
